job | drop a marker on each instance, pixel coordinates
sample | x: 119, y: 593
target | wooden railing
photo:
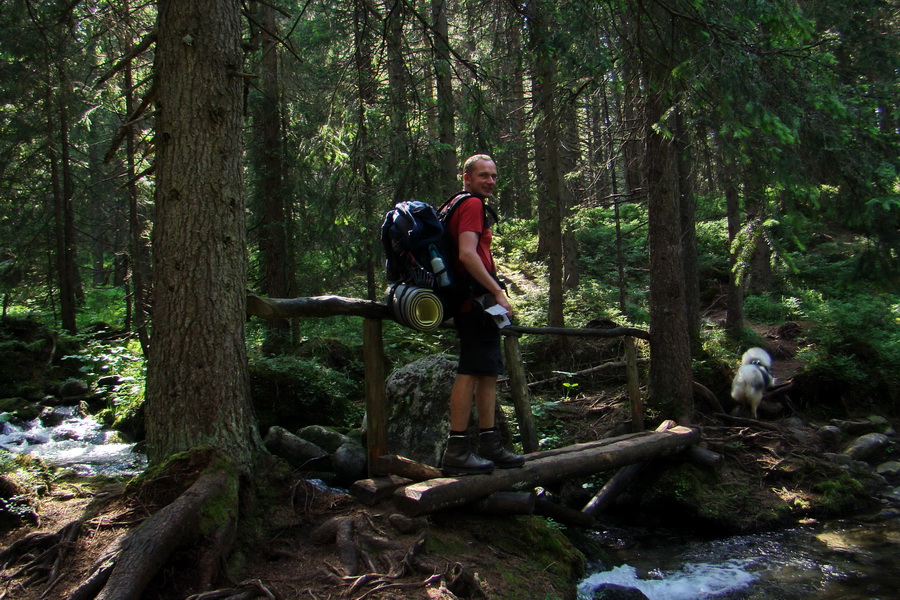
x: 374, y: 313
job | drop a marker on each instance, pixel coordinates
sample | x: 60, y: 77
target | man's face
x: 482, y: 179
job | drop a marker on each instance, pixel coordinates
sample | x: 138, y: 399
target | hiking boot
x: 490, y: 446
x: 459, y: 460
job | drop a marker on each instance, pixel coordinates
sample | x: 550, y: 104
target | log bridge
x: 418, y: 489
x: 373, y: 313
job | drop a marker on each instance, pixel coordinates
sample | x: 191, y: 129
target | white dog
x: 753, y: 377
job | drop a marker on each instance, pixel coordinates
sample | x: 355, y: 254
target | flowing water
x: 77, y: 443
x: 855, y: 559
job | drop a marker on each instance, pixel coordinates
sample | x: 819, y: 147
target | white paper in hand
x: 499, y: 314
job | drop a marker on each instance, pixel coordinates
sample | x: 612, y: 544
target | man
x: 480, y: 357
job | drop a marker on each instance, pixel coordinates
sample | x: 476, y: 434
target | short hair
x: 469, y: 166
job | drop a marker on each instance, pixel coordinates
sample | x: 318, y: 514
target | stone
x: 867, y: 447
x: 73, y: 388
x: 418, y: 395
x: 889, y: 470
x: 350, y: 463
x: 611, y: 591
x: 830, y: 435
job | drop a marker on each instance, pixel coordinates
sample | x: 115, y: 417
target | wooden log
x: 316, y: 306
x: 437, y: 494
x: 508, y: 503
x: 376, y: 397
x: 563, y: 514
x: 372, y: 491
x: 519, y: 392
x: 618, y: 482
x: 391, y: 464
x: 704, y: 457
x: 582, y: 332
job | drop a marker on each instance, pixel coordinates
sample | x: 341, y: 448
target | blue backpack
x: 418, y: 250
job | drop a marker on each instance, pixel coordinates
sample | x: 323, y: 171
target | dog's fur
x: 752, y: 379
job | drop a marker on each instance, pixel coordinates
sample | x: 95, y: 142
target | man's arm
x: 468, y: 256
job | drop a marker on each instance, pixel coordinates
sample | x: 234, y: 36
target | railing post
x: 519, y: 392
x: 376, y: 400
x: 634, y: 385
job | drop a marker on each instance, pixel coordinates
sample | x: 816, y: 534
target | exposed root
x: 45, y: 567
x: 358, y: 541
x: 248, y: 590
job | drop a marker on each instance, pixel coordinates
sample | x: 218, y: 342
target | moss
x: 838, y: 496
x: 517, y: 557
x: 221, y: 510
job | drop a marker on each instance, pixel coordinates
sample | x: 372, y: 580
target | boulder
x: 867, y: 447
x: 418, y: 395
x: 890, y: 471
x: 350, y: 463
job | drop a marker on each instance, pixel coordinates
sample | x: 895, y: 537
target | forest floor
x: 303, y: 535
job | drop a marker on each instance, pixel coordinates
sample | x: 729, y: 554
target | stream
x: 852, y: 559
x: 77, y: 443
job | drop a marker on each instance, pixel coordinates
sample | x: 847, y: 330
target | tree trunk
x: 449, y: 177
x: 197, y: 388
x: 547, y: 142
x: 366, y: 86
x: 138, y: 228
x: 670, y: 356
x: 63, y: 211
x: 273, y: 202
x: 734, y: 303
x: 399, y: 147
x: 687, y: 211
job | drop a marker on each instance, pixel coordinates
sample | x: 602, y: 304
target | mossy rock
x: 20, y: 408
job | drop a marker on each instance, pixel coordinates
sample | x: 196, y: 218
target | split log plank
x: 372, y: 491
x: 437, y: 494
x: 391, y: 464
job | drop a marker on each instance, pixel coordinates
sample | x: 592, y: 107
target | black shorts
x: 479, y: 344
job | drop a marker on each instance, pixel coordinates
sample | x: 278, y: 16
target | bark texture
x: 197, y: 392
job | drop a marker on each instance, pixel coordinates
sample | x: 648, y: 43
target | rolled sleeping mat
x: 415, y: 307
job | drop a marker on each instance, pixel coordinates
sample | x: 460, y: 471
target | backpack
x: 418, y: 250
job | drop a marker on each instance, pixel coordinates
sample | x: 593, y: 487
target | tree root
x: 356, y: 538
x: 129, y: 564
x: 248, y: 590
x: 52, y: 550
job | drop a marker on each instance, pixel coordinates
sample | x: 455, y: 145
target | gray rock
x: 830, y: 435
x: 611, y: 591
x: 419, y: 418
x: 793, y: 422
x: 889, y: 470
x: 867, y: 447
x: 350, y: 463
x: 74, y: 387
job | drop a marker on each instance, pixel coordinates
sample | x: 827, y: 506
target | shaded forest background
x: 657, y: 160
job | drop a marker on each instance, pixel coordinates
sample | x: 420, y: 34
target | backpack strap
x: 450, y: 205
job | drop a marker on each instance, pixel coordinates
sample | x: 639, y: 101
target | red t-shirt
x: 469, y: 216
